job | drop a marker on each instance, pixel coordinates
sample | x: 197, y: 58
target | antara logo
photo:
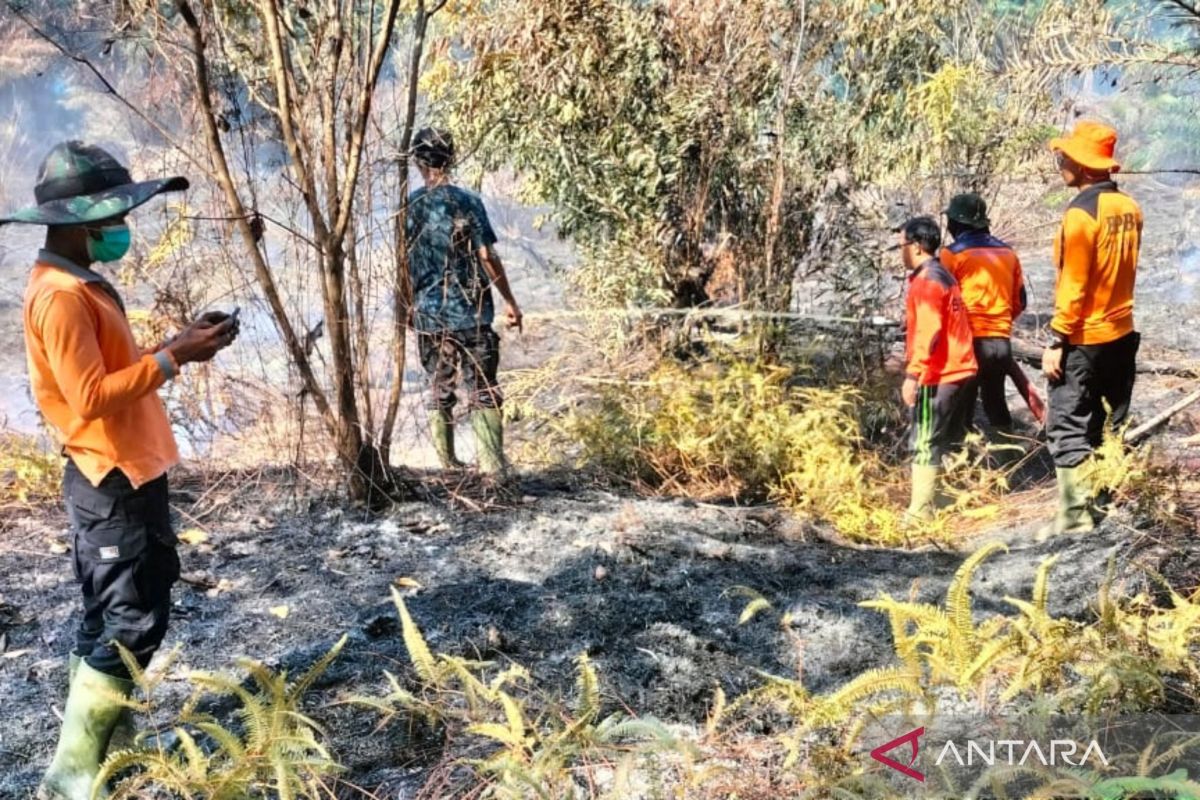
x: 912, y: 738
x: 1010, y: 752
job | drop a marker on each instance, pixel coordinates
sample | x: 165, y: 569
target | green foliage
x: 274, y: 750
x: 29, y: 472
x: 943, y: 641
x: 681, y: 131
x: 1119, y: 662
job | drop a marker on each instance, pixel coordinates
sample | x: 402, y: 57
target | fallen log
x: 1135, y: 435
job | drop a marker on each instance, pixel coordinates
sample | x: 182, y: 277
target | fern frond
x: 151, y: 761
x: 514, y: 673
x: 617, y: 728
x: 1041, y: 583
x: 988, y: 655
x: 872, y: 682
x: 1174, y: 785
x: 318, y: 669
x: 958, y: 602
x: 588, y: 687
x: 494, y: 730
x: 227, y: 742
x: 753, y: 609
x: 136, y: 673
x: 474, y: 690
x: 418, y: 651
x: 513, y: 715
x: 270, y: 685
x: 197, y: 762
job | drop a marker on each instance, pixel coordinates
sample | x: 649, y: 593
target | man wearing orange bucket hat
x: 1091, y: 360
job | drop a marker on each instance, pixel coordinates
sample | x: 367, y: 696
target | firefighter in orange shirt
x: 97, y: 390
x: 993, y: 289
x: 939, y: 361
x: 1092, y: 358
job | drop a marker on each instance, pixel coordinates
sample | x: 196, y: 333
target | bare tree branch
x: 242, y: 218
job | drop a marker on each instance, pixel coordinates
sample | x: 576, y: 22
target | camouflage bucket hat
x: 80, y: 184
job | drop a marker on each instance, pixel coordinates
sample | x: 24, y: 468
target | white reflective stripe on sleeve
x: 166, y: 365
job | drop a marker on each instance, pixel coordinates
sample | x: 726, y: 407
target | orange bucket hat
x: 1090, y: 145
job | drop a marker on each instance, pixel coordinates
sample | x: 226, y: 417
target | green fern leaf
x: 588, y: 686
x: 958, y: 605
x: 197, y: 762
x: 227, y: 742
x: 1041, y: 583
x: 318, y: 669
x: 418, y: 651
x: 501, y: 733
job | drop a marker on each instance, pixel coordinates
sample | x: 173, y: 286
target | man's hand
x: 204, y: 338
x: 1052, y: 360
x: 909, y: 391
x: 217, y: 317
x: 513, y: 317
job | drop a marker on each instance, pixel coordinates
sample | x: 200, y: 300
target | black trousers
x: 940, y: 419
x: 1093, y: 374
x: 474, y: 354
x: 994, y: 354
x: 125, y: 562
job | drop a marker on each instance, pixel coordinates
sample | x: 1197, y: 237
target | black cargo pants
x: 994, y: 355
x: 125, y: 562
x: 1093, y: 374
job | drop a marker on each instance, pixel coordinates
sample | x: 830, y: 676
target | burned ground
x: 640, y: 584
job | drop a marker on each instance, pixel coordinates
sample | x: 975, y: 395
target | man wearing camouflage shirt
x: 453, y: 264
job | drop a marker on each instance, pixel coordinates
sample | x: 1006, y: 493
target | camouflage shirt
x: 446, y: 228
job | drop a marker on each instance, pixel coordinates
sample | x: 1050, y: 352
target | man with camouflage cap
x: 453, y: 264
x: 993, y: 290
x: 96, y: 388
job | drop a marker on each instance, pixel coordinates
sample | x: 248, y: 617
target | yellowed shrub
x: 741, y: 429
x: 30, y: 472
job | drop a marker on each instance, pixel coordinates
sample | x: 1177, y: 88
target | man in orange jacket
x: 993, y: 289
x: 1092, y: 358
x: 940, y: 364
x: 96, y: 388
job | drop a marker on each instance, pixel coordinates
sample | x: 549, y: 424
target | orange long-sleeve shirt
x: 992, y: 283
x: 1096, y: 254
x: 938, y: 344
x: 90, y: 379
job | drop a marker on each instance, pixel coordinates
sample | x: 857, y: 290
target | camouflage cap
x: 79, y: 184
x: 969, y: 209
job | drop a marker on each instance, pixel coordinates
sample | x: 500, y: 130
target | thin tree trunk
x: 401, y: 288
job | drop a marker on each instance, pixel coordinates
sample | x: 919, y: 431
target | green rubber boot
x: 91, y: 714
x: 124, y: 735
x: 488, y: 424
x: 441, y: 427
x: 925, y: 480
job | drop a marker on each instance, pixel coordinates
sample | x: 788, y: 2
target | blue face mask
x: 112, y: 244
